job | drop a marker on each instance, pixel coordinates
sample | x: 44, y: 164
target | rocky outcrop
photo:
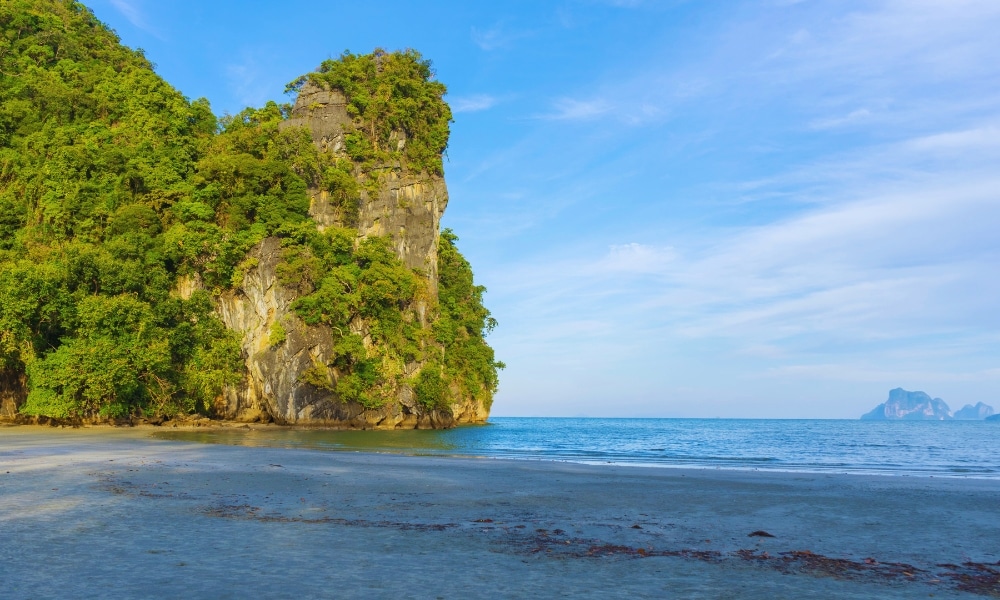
x: 404, y: 206
x: 974, y: 413
x: 324, y: 113
x: 273, y: 387
x: 909, y: 406
x: 918, y: 406
x: 407, y: 206
x: 394, y: 202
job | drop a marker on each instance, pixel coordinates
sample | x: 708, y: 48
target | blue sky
x: 780, y: 208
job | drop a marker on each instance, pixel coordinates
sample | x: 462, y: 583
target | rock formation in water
x: 918, y: 406
x: 912, y: 406
x: 394, y: 201
x: 974, y: 413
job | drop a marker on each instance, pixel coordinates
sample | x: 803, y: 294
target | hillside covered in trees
x: 132, y: 217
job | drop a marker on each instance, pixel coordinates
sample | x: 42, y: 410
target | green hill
x: 116, y: 192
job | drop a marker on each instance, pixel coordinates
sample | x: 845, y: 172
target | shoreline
x: 212, y: 520
x: 179, y: 431
x: 203, y: 423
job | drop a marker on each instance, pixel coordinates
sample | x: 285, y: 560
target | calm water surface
x: 955, y: 448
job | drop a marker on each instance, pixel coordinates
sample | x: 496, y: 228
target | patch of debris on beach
x: 973, y: 577
x: 536, y: 539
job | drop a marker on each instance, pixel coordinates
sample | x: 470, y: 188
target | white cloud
x: 252, y: 80
x: 883, y: 266
x: 625, y: 3
x: 474, y: 103
x: 838, y: 223
x: 965, y: 141
x: 496, y: 37
x: 637, y: 258
x: 865, y: 373
x: 569, y: 109
x: 851, y: 118
x: 131, y: 11
x: 875, y: 268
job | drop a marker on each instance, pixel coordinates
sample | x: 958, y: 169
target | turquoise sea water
x: 933, y: 448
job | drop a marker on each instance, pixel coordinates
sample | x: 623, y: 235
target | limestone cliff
x: 273, y: 387
x: 403, y: 205
x: 393, y: 202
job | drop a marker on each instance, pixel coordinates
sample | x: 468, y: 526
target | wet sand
x: 115, y: 513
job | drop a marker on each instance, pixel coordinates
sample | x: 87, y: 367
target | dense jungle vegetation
x: 113, y: 185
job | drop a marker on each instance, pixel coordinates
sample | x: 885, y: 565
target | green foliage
x: 352, y: 287
x: 113, y: 185
x: 97, y: 158
x: 431, y: 389
x: 463, y: 325
x: 369, y: 287
x: 345, y: 191
x: 318, y: 376
x: 398, y: 108
x: 123, y: 360
x: 277, y: 335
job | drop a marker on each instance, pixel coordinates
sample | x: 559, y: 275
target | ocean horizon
x: 968, y: 449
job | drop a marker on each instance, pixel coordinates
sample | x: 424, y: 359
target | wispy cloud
x: 866, y: 373
x: 843, y: 283
x: 496, y: 37
x: 251, y: 81
x: 569, y: 109
x: 855, y: 116
x: 814, y: 196
x: 131, y: 11
x: 637, y: 258
x: 473, y: 103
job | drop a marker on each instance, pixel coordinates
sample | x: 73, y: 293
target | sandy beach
x: 96, y: 513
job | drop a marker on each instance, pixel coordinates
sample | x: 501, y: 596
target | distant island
x: 919, y: 406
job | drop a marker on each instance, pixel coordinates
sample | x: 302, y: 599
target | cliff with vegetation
x: 282, y: 264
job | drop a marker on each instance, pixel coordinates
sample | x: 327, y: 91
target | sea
x: 969, y: 449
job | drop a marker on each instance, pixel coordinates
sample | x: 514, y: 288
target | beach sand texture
x: 109, y: 513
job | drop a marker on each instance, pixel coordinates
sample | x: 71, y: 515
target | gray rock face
x: 974, y: 413
x: 910, y: 406
x: 273, y: 388
x: 407, y: 206
x: 324, y: 112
